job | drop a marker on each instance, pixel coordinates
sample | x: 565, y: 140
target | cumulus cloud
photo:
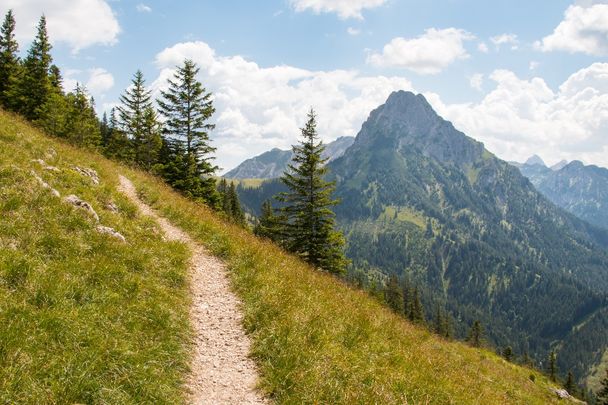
x: 142, y: 8
x: 259, y: 108
x: 77, y: 23
x: 584, y: 29
x: 344, y: 8
x: 476, y: 81
x: 505, y: 39
x: 522, y: 117
x: 429, y: 53
x: 96, y: 80
x: 482, y: 47
x: 353, y: 31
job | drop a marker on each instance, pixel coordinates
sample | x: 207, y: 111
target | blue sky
x: 523, y: 77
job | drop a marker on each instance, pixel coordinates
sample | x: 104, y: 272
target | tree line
x: 171, y: 141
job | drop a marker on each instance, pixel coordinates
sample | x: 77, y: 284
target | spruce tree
x: 118, y: 145
x: 416, y: 309
x: 602, y: 395
x: 309, y: 227
x: 82, y: 125
x: 9, y: 62
x: 134, y: 114
x: 475, y: 337
x: 236, y: 211
x: 507, y: 353
x: 268, y: 225
x: 187, y: 108
x: 439, y: 322
x: 35, y: 87
x: 393, y: 294
x: 552, y: 365
x: 570, y: 385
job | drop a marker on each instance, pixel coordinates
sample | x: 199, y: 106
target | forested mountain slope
x: 424, y: 201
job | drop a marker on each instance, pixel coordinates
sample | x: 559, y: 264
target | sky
x: 523, y: 77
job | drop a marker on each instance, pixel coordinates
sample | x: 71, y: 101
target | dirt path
x: 221, y: 372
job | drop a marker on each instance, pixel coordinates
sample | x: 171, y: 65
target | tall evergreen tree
x: 236, y: 211
x: 82, y: 123
x: 475, y: 337
x: 310, y: 221
x: 268, y: 225
x: 507, y: 353
x: 439, y: 323
x: 35, y: 87
x: 133, y: 116
x: 602, y: 395
x: 570, y: 385
x: 187, y: 108
x: 118, y: 145
x: 9, y: 62
x: 552, y: 365
x: 393, y: 294
x: 416, y: 314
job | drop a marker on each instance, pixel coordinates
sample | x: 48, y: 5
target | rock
x: 52, y: 169
x: 45, y: 166
x: 78, y: 203
x: 112, y: 207
x: 46, y: 185
x: 561, y: 393
x: 106, y: 230
x: 88, y: 172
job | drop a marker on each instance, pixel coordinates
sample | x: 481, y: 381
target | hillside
x: 421, y: 200
x: 89, y: 318
x: 581, y: 190
x: 273, y: 163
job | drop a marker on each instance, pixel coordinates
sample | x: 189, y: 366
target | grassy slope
x: 113, y: 328
x: 84, y: 318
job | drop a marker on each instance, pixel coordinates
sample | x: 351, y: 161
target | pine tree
x: 393, y: 294
x: 416, y: 309
x: 507, y: 353
x: 9, y: 62
x: 82, y: 125
x: 309, y: 228
x: 187, y: 107
x: 236, y: 211
x: 105, y: 130
x: 439, y: 323
x: 35, y: 87
x: 134, y: 114
x: 118, y: 145
x: 569, y: 385
x: 602, y: 395
x: 475, y: 337
x: 552, y: 365
x: 268, y: 225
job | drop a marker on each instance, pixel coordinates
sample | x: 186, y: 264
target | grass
x: 87, y: 319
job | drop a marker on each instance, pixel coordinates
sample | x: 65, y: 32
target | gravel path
x: 221, y: 372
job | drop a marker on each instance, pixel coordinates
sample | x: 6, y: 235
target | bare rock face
x: 46, y: 185
x: 106, y: 230
x: 88, y: 172
x: 78, y: 203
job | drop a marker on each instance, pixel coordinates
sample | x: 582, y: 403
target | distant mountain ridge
x: 273, y: 163
x: 579, y: 189
x: 422, y: 200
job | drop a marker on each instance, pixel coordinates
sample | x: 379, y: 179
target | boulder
x: 106, y: 230
x: 88, y: 172
x: 78, y: 203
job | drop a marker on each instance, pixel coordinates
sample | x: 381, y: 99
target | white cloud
x: 353, y: 31
x: 505, y: 39
x: 429, y: 53
x: 344, y: 8
x: 482, y: 47
x: 142, y: 8
x: 584, y: 29
x: 476, y: 81
x: 78, y: 23
x: 259, y: 108
x: 96, y: 80
x: 522, y: 117
x: 534, y: 65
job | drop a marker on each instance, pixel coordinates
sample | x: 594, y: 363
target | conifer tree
x: 35, y: 86
x: 393, y: 294
x: 602, y: 395
x: 552, y: 365
x: 439, y: 322
x: 475, y: 337
x: 187, y: 108
x: 416, y: 310
x: 82, y: 123
x: 105, y: 130
x: 309, y: 227
x: 9, y: 62
x: 236, y: 211
x: 222, y: 188
x: 138, y: 122
x: 507, y: 353
x: 268, y: 225
x: 118, y: 146
x: 570, y: 385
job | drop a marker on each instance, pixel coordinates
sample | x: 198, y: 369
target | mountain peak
x: 535, y: 160
x: 559, y: 165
